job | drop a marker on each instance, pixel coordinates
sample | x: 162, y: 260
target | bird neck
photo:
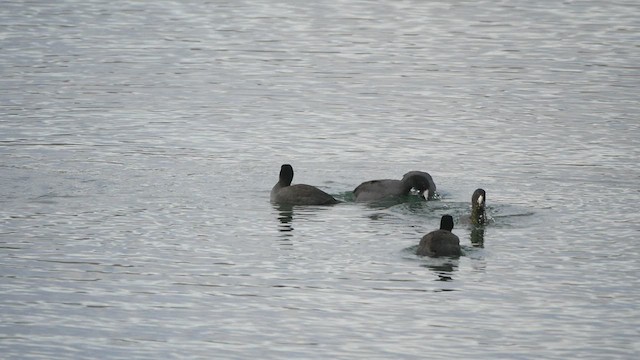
x: 478, y: 215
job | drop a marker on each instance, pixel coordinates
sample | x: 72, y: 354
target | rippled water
x: 139, y: 142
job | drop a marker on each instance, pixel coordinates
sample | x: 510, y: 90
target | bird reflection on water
x: 285, y: 216
x: 443, y: 269
x: 477, y: 236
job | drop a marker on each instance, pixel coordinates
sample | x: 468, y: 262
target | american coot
x: 387, y: 188
x: 426, y: 176
x: 478, y: 213
x: 440, y: 242
x: 299, y: 194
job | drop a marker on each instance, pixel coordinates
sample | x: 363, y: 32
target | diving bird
x: 387, y: 188
x: 426, y: 176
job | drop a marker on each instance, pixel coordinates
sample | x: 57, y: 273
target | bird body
x: 441, y: 242
x: 387, y: 188
x: 299, y: 194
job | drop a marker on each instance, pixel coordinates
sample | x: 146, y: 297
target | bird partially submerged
x: 478, y: 207
x: 388, y: 188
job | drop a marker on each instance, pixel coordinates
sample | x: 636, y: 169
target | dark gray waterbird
x: 478, y: 212
x: 387, y: 188
x: 298, y: 194
x: 441, y: 242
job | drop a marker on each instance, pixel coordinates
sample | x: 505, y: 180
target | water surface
x: 139, y: 143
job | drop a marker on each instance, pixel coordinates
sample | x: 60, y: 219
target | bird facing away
x: 478, y: 202
x: 441, y: 242
x: 299, y: 194
x: 387, y: 188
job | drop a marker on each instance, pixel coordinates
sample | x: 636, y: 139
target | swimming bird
x: 387, y: 188
x: 441, y: 242
x: 478, y: 213
x: 299, y: 194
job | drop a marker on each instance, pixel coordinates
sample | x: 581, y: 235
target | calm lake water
x: 139, y: 142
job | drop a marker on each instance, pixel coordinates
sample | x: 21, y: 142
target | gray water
x: 139, y: 142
